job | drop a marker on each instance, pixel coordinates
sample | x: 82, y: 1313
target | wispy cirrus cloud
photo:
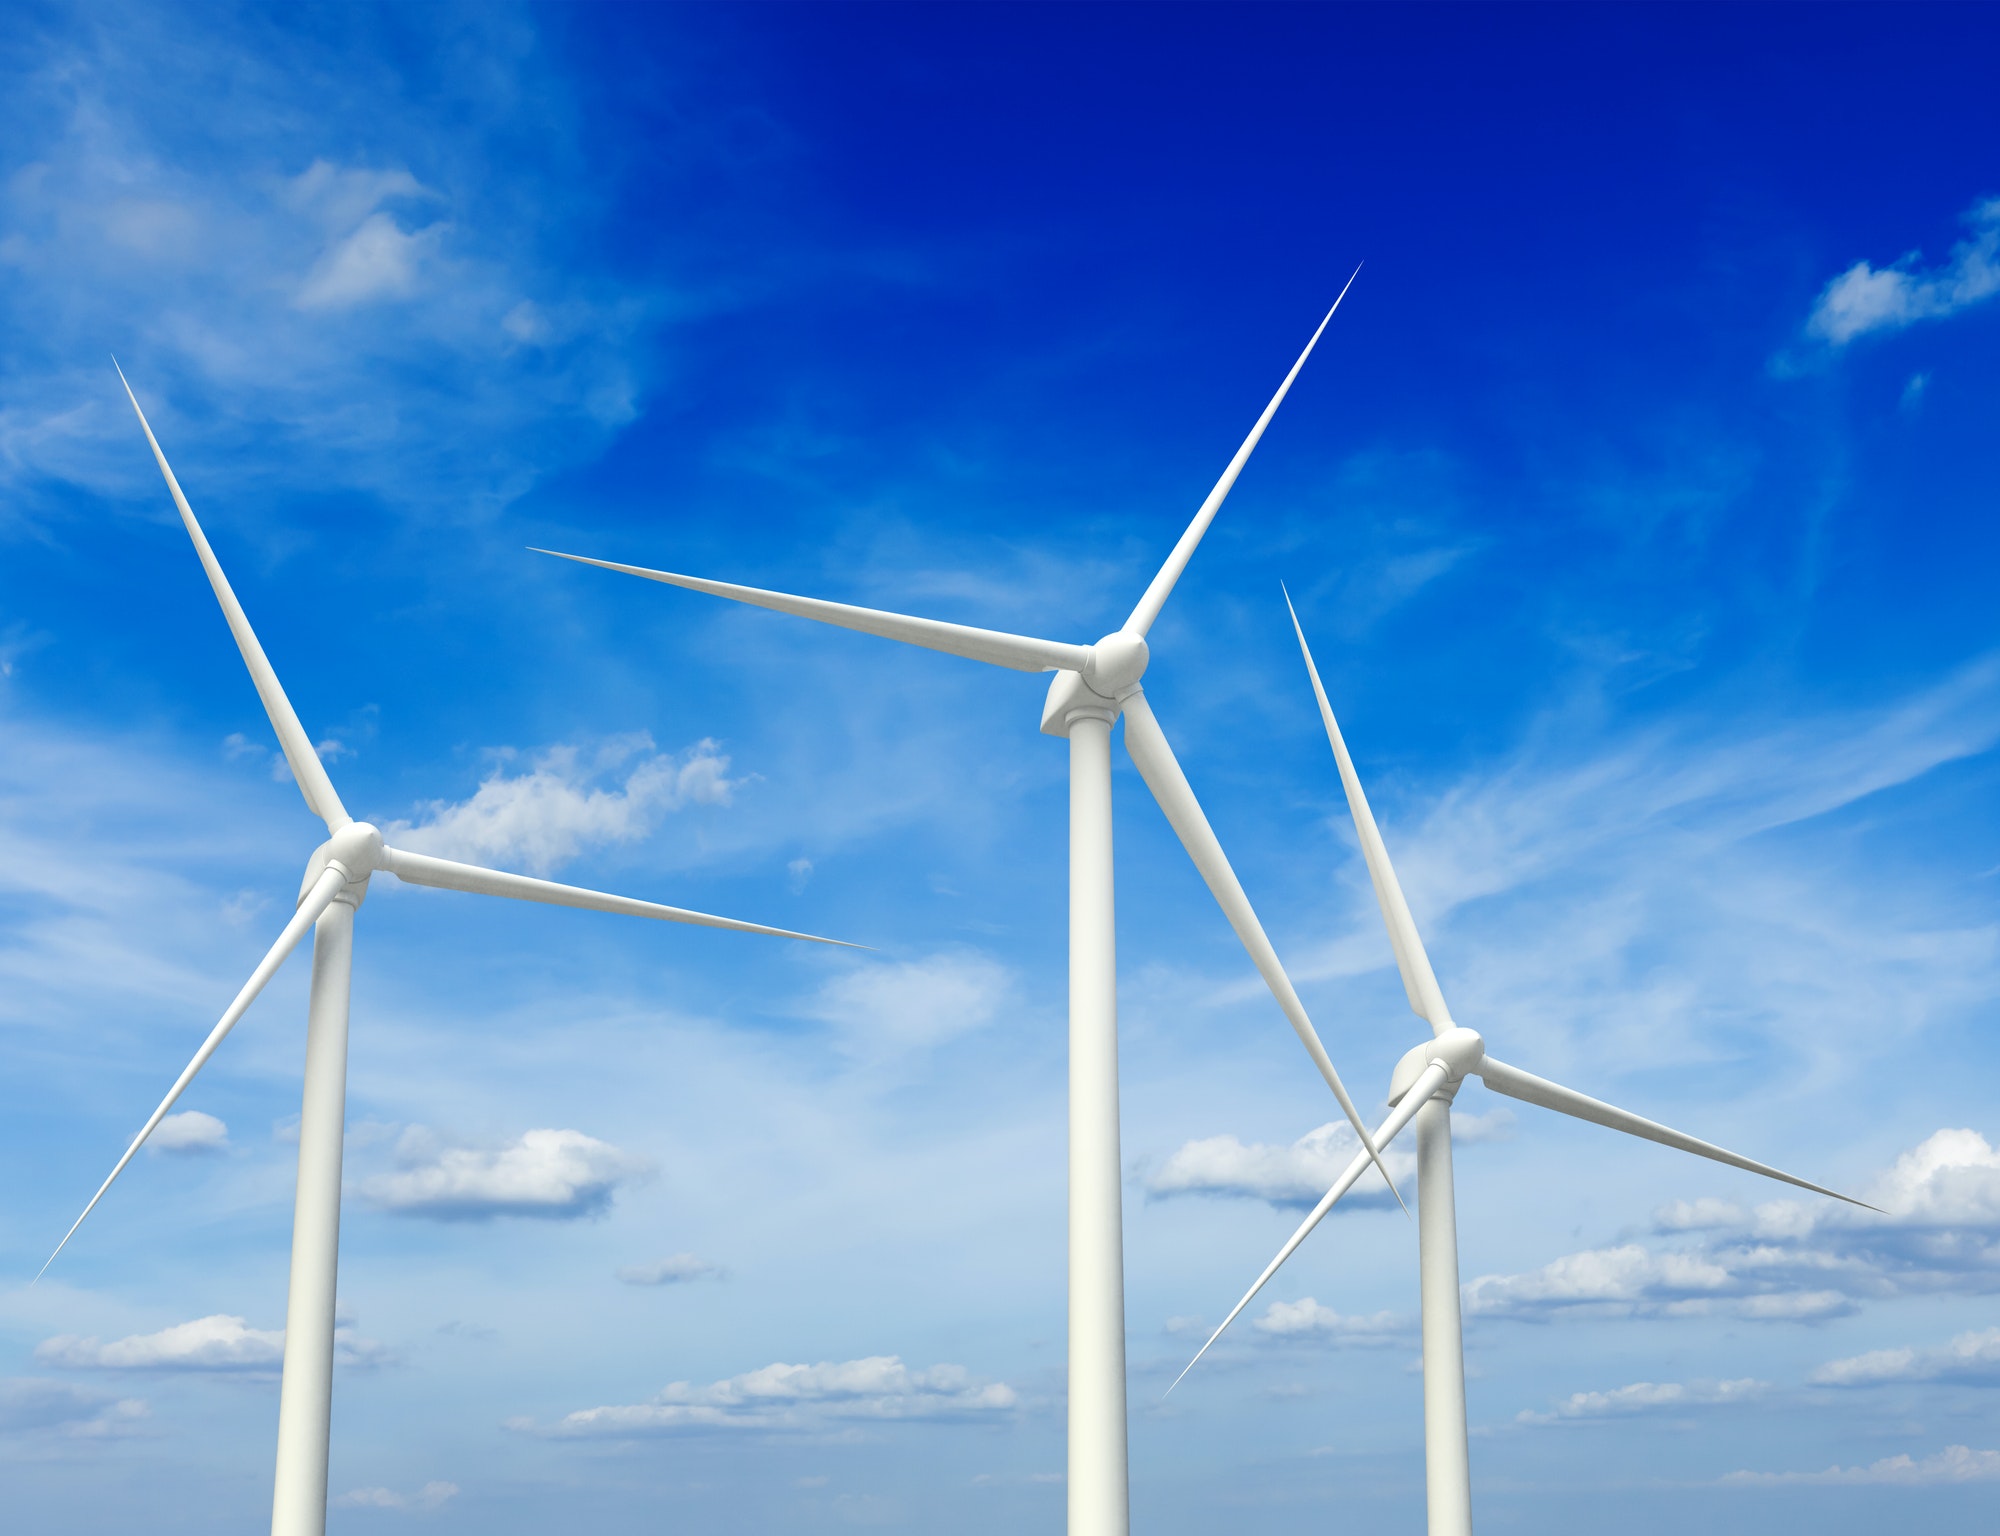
x: 678, y: 1269
x: 795, y: 1397
x: 1868, y: 298
x: 884, y: 1009
x: 273, y: 293
x: 29, y: 1404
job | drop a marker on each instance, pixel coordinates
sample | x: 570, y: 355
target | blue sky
x: 1638, y: 503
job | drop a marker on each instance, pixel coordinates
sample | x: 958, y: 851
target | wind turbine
x: 1422, y: 1088
x: 336, y: 882
x: 1092, y: 686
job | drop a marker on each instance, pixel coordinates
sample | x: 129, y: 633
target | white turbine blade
x: 1156, y: 594
x: 292, y: 739
x: 1531, y: 1089
x: 315, y: 901
x: 422, y: 869
x: 1001, y: 649
x: 1419, y: 981
x: 1162, y: 772
x: 1404, y: 1112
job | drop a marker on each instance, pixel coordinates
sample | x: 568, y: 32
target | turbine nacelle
x: 356, y: 852
x: 1459, y: 1051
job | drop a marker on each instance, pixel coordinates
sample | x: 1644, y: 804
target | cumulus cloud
x: 28, y: 1404
x: 1865, y: 298
x: 888, y: 1008
x: 216, y: 1343
x: 1973, y: 1358
x: 677, y: 1270
x: 1307, y: 1319
x: 191, y: 1131
x: 1953, y: 1464
x: 796, y: 1397
x: 1296, y: 1176
x: 567, y: 801
x: 1788, y: 1260
x: 1632, y: 1281
x: 1645, y: 1397
x: 557, y: 1175
x: 431, y: 1496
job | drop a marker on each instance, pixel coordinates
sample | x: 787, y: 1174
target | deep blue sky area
x: 1638, y: 501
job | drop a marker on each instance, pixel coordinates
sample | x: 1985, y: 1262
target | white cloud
x: 1970, y: 1357
x: 677, y: 1270
x: 1293, y: 1176
x: 190, y: 1131
x: 889, y: 1008
x: 548, y: 1173
x: 216, y: 1343
x: 1308, y: 1319
x: 1645, y: 1397
x: 28, y: 1404
x: 1866, y: 298
x: 543, y: 817
x: 1953, y: 1464
x: 780, y: 1396
x: 378, y: 261
x: 1789, y: 1260
x: 431, y: 1496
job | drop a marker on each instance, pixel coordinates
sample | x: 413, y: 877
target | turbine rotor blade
x: 997, y: 647
x: 1405, y: 1111
x: 1162, y: 772
x: 306, y: 767
x: 315, y: 901
x: 1162, y: 585
x: 1531, y: 1089
x: 1419, y: 981
x: 446, y: 874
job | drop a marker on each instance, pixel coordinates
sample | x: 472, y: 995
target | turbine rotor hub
x: 1116, y: 664
x: 1458, y: 1050
x: 356, y: 851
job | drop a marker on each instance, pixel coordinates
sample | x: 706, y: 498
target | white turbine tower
x: 1422, y: 1088
x: 1093, y: 685
x: 336, y: 881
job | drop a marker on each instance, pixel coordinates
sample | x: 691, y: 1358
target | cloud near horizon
x: 795, y: 1397
x: 1647, y: 1397
x: 1953, y: 1464
x: 433, y: 1495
